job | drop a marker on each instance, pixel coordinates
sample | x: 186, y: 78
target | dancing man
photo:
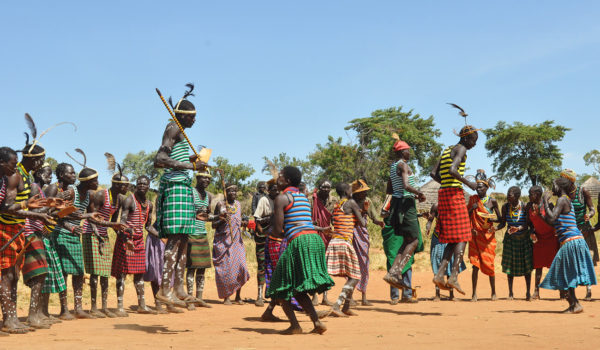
x: 175, y: 211
x: 453, y: 219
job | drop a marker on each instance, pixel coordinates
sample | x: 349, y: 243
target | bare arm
x: 563, y: 206
x: 432, y: 215
x: 277, y: 224
x: 587, y: 198
x: 163, y: 160
x: 502, y: 218
x: 149, y: 223
x: 361, y: 220
x: 435, y: 172
x: 403, y: 170
x: 496, y: 209
x: 126, y: 206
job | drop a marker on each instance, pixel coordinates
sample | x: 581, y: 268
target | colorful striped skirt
x: 55, y: 280
x: 175, y: 210
x: 198, y: 252
x: 517, y: 254
x: 454, y: 224
x: 301, y: 269
x: 436, y: 255
x: 70, y: 253
x: 229, y: 260
x: 342, y: 259
x: 361, y: 246
x: 271, y: 258
x: 35, y: 263
x: 8, y: 257
x: 96, y: 257
x: 482, y: 252
x: 571, y: 267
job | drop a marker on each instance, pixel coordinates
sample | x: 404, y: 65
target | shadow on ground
x: 157, y: 329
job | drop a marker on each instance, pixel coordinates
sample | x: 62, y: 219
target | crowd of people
x: 50, y: 230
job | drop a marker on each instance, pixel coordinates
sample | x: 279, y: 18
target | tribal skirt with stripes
x: 8, y: 257
x: 175, y: 210
x: 517, y: 254
x: 128, y: 261
x: 198, y: 253
x: 96, y: 257
x: 572, y: 267
x: 55, y: 281
x: 35, y: 263
x: 361, y: 246
x: 454, y: 224
x: 342, y: 259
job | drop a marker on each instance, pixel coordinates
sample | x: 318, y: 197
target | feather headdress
x: 187, y: 94
x: 113, y: 167
x: 34, y: 134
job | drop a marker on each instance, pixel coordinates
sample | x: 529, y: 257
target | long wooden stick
x: 177, y: 122
x: 12, y: 239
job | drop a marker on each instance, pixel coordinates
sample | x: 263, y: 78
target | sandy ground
x: 427, y: 324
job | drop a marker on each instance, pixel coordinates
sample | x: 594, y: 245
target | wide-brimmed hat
x: 359, y: 186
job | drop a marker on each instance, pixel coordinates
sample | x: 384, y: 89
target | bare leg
x: 238, y: 297
x: 365, y: 301
x: 180, y: 269
x: 9, y: 308
x: 474, y: 282
x: 437, y: 294
x: 138, y: 281
x: 93, y: 294
x: 459, y: 251
x: 294, y: 325
x: 493, y: 287
x: 200, y: 288
x: 158, y: 305
x: 588, y: 294
x: 345, y: 294
x: 304, y: 300
x: 268, y: 316
x: 104, y: 291
x: 165, y: 294
x: 65, y: 315
x: 394, y: 275
x: 325, y: 300
x: 538, y: 279
x: 78, y: 296
x: 189, y: 281
x: 511, y: 278
x: 528, y: 287
x: 576, y: 307
x: 120, y: 291
x: 260, y: 301
x: 35, y: 302
x: 439, y: 278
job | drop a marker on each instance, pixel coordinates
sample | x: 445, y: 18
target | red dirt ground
x: 428, y: 324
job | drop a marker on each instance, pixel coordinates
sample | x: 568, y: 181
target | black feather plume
x: 171, y: 102
x: 31, y: 125
x: 188, y: 93
x: 80, y: 151
x: 26, y: 138
x: 120, y: 171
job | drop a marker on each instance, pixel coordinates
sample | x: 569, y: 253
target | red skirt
x: 128, y: 261
x: 8, y: 257
x: 454, y: 223
x: 544, y: 251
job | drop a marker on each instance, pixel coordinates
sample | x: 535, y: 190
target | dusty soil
x: 427, y: 324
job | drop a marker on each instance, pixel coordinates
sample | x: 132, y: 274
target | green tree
x: 234, y: 173
x: 142, y: 163
x: 525, y: 152
x: 592, y: 158
x: 281, y: 160
x: 369, y: 156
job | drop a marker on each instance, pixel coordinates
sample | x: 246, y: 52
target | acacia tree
x: 525, y: 152
x: 592, y: 158
x: 281, y: 160
x: 338, y: 161
x: 234, y: 173
x: 142, y: 163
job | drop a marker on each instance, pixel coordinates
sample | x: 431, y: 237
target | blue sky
x: 279, y: 77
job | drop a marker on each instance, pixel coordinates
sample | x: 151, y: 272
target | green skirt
x: 301, y: 269
x: 404, y: 217
x: 175, y: 210
x: 517, y: 254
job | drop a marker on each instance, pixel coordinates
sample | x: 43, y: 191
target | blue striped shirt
x: 566, y: 226
x: 397, y: 183
x: 297, y: 215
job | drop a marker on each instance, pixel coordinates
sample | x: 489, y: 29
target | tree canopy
x: 234, y: 173
x: 525, y: 152
x: 141, y: 163
x: 282, y: 159
x: 592, y: 158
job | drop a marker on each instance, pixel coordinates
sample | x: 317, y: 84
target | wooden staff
x: 177, y: 122
x: 12, y: 239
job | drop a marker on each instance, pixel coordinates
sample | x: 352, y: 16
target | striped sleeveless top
x: 22, y: 196
x: 81, y: 206
x: 137, y: 219
x: 297, y: 215
x: 566, y: 226
x: 517, y: 218
x: 106, y: 211
x: 579, y: 207
x: 180, y: 153
x: 33, y: 225
x: 445, y: 163
x: 200, y: 225
x: 397, y: 183
x: 3, y: 182
x: 343, y: 224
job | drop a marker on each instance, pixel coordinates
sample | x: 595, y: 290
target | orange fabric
x: 343, y: 224
x: 8, y: 257
x: 482, y: 247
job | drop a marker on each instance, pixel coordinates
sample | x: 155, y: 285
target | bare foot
x: 145, y: 310
x: 3, y: 334
x: 53, y: 319
x: 160, y: 310
x: 121, y: 313
x: 326, y: 302
x: 453, y: 283
x: 291, y: 330
x: 66, y: 316
x: 108, y: 313
x: 338, y: 313
x: 37, y: 323
x: 353, y: 302
x: 202, y: 303
x: 239, y: 302
x: 474, y: 298
x: 315, y: 300
x: 349, y: 312
x: 588, y: 296
x: 366, y: 303
x: 528, y: 297
x: 260, y: 302
x: 440, y: 283
x: 436, y: 298
x: 319, y: 328
x: 395, y: 301
x: 227, y: 302
x: 191, y: 307
x: 494, y: 297
x: 510, y: 297
x: 164, y: 297
x: 97, y: 314
x: 11, y: 326
x: 577, y: 308
x: 536, y: 295
x: 174, y: 310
